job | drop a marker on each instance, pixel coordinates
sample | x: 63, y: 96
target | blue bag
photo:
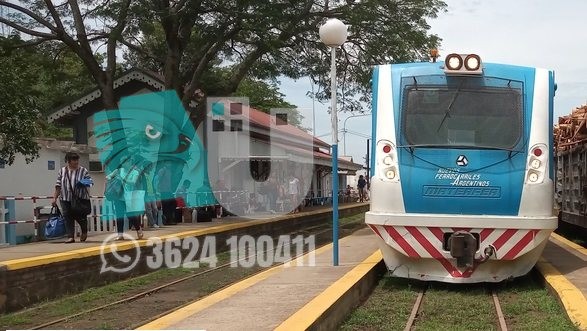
x: 55, y: 226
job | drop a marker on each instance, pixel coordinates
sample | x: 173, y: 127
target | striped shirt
x: 67, y: 180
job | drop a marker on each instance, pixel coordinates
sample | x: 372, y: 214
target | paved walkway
x: 564, y: 266
x: 266, y: 300
x: 569, y: 261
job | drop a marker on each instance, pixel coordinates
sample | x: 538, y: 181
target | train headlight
x: 387, y: 160
x: 463, y: 64
x: 535, y: 164
x: 454, y: 62
x: 533, y: 177
x: 390, y: 174
x: 472, y: 62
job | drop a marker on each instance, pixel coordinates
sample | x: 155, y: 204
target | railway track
x: 418, y: 308
x: 318, y: 231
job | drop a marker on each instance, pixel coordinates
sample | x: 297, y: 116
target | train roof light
x: 472, y: 62
x: 463, y: 64
x: 453, y: 62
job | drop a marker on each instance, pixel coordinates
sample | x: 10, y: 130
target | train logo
x: 462, y: 161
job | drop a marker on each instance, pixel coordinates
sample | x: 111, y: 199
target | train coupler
x: 463, y: 246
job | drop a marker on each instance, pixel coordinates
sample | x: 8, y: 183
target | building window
x: 236, y: 125
x: 236, y: 108
x: 217, y: 125
x: 281, y: 119
x: 50, y: 165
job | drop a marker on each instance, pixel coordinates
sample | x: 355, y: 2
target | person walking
x: 125, y: 205
x: 72, y: 185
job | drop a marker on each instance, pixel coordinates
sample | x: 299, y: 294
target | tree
x: 18, y: 115
x: 189, y: 40
x: 265, y: 39
x: 50, y: 76
x: 69, y: 24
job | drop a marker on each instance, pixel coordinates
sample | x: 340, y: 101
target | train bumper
x: 415, y: 245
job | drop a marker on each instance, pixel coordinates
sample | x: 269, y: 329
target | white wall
x: 33, y: 179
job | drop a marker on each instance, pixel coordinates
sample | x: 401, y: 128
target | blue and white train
x: 462, y: 168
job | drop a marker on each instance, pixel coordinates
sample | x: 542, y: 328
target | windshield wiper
x: 411, y: 147
x: 450, y: 105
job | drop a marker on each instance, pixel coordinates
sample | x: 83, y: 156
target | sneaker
x: 120, y: 237
x: 156, y: 226
x: 83, y: 237
x: 69, y: 241
x: 140, y: 234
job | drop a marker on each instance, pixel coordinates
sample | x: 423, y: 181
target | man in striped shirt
x: 68, y: 185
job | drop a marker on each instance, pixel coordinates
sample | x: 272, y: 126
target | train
x: 462, y: 178
x: 571, y: 171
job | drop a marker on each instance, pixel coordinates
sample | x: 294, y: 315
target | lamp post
x: 333, y: 33
x: 344, y: 127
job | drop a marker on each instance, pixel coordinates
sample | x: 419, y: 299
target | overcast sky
x: 538, y: 33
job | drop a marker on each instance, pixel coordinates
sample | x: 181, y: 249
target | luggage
x: 55, y: 226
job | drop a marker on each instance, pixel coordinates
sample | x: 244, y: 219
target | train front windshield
x: 462, y: 112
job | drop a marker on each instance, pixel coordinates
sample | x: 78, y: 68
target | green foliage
x: 189, y: 41
x: 37, y: 79
x: 265, y: 39
x: 18, y: 115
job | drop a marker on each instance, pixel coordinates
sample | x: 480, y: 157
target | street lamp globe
x: 333, y: 33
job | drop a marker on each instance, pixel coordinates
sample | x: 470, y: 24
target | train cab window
x: 466, y: 114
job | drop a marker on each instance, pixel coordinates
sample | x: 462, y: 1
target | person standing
x: 272, y: 191
x: 294, y: 190
x: 72, y: 183
x: 181, y: 198
x: 151, y: 209
x: 163, y: 187
x: 362, y: 183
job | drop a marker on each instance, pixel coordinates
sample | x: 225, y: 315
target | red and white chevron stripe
x: 426, y: 242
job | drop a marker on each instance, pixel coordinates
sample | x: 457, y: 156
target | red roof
x: 264, y: 120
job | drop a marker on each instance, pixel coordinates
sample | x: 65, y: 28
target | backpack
x: 114, y: 189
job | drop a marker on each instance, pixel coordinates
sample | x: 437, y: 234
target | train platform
x: 564, y: 268
x: 288, y: 297
x: 17, y: 256
x: 26, y: 269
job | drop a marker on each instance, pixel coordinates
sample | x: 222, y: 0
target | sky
x: 535, y: 33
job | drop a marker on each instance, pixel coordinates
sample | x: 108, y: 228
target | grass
x: 457, y: 307
x: 388, y: 307
x: 527, y: 305
x: 95, y: 297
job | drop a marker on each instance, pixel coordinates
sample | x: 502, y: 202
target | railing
x: 97, y: 221
x: 101, y: 219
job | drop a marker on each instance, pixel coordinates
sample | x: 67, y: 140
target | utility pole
x: 368, y: 163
